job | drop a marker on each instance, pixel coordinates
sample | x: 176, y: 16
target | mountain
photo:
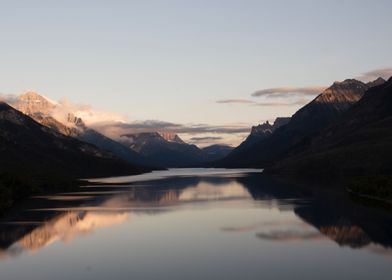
x: 31, y: 103
x: 26, y: 145
x: 51, y: 114
x: 326, y: 108
x: 164, y: 149
x: 377, y: 82
x: 359, y: 143
x: 216, y: 151
x: 259, y: 133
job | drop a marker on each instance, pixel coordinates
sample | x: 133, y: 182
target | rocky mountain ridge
x: 322, y: 111
x: 27, y: 145
x: 54, y: 116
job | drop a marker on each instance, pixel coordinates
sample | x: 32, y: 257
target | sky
x: 209, y: 64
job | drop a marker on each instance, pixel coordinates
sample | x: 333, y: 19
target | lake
x: 195, y: 224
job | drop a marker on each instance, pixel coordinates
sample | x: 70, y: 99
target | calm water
x: 195, y: 224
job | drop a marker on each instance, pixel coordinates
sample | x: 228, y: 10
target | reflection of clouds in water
x: 291, y: 231
x: 68, y: 215
x: 288, y: 230
x: 268, y: 224
x: 200, y: 191
x: 105, y: 211
x: 208, y: 191
x: 290, y: 235
x: 177, y: 172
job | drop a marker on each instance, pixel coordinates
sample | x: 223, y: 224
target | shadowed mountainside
x: 52, y: 115
x: 360, y: 143
x: 257, y: 134
x: 27, y: 145
x: 216, y: 151
x: 325, y: 109
x: 164, y: 149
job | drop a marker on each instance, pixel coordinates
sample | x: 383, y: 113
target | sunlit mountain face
x: 31, y: 149
x: 285, y: 214
x: 62, y: 119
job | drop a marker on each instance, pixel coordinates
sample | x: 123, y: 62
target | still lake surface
x: 195, y: 224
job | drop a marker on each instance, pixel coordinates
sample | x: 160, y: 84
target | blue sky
x: 173, y: 60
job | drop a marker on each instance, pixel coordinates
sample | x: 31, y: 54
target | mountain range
x: 359, y: 143
x: 169, y: 150
x: 26, y: 145
x: 157, y: 149
x: 259, y: 133
x: 52, y: 115
x: 321, y: 112
x: 345, y: 129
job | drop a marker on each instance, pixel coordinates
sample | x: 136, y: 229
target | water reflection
x: 332, y: 213
x: 323, y: 215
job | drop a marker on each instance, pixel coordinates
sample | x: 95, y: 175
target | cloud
x: 62, y: 108
x: 385, y: 73
x: 205, y: 128
x: 235, y: 101
x: 203, y: 141
x: 154, y: 125
x: 114, y: 125
x: 151, y: 125
x: 289, y: 91
x: 300, y: 102
x: 89, y: 115
x: 207, y: 138
x: 200, y: 134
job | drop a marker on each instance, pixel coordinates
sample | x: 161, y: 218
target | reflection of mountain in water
x: 333, y: 214
x: 65, y: 227
x: 65, y: 216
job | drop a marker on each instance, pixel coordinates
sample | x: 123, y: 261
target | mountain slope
x: 216, y: 152
x: 306, y: 122
x: 259, y: 133
x: 50, y: 114
x: 164, y: 150
x: 359, y: 143
x: 27, y: 145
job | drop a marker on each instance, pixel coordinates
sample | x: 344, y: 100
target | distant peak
x: 32, y: 95
x: 347, y: 82
x: 341, y: 95
x: 171, y: 137
x: 31, y: 103
x: 261, y: 129
x: 280, y: 121
x: 376, y: 82
x: 379, y: 79
x: 344, y: 86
